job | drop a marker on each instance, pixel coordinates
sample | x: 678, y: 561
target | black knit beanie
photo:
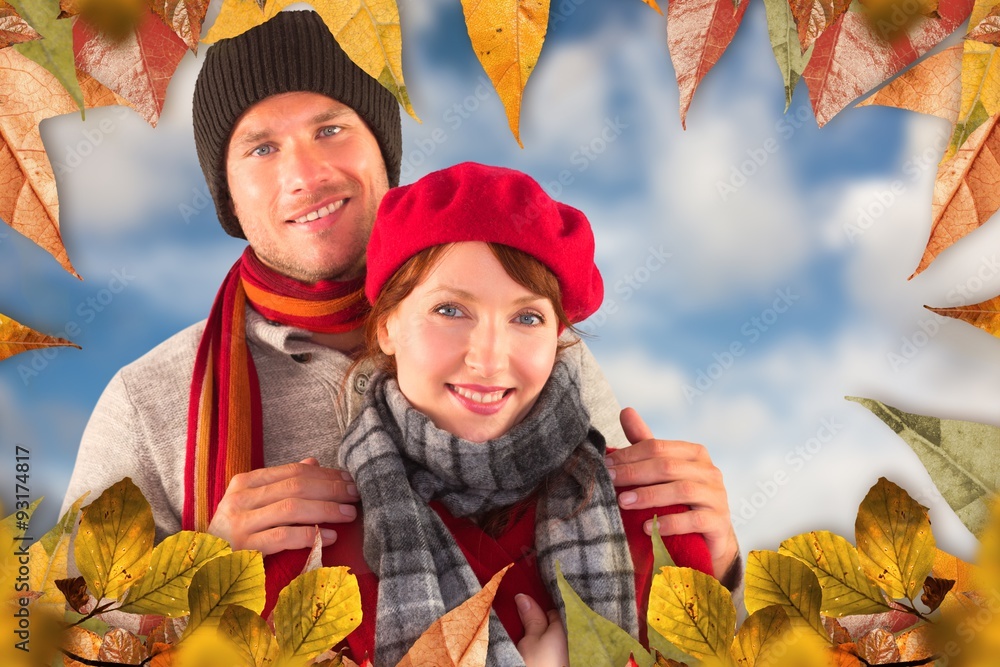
x: 294, y: 51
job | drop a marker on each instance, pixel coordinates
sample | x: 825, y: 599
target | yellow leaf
x: 461, y: 637
x: 316, y: 611
x: 235, y: 18
x: 985, y: 315
x: 113, y: 545
x: 16, y: 338
x: 49, y: 557
x: 895, y: 542
x: 236, y: 578
x: 967, y: 577
x: 834, y: 560
x: 507, y: 36
x: 693, y: 611
x: 250, y: 635
x: 201, y: 648
x: 772, y: 578
x: 163, y: 589
x: 980, y: 92
x: 758, y: 636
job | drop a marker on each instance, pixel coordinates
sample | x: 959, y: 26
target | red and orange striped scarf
x: 225, y: 425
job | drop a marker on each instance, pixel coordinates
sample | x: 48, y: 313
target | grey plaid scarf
x: 400, y: 461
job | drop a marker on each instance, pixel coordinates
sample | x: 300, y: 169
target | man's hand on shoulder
x: 674, y: 472
x: 273, y: 509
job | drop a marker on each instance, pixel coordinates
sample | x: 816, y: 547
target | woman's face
x: 473, y: 348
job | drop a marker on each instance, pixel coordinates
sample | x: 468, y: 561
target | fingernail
x: 352, y: 490
x: 648, y: 527
x: 349, y: 511
x: 608, y: 461
x: 628, y: 498
x: 522, y: 602
x: 327, y: 534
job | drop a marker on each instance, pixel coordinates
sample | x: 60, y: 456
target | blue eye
x: 530, y: 319
x: 261, y: 151
x: 448, y: 310
x: 330, y: 130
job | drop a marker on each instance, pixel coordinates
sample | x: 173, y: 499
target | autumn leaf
x: 163, y: 633
x: 760, y: 633
x: 163, y: 588
x: 988, y: 29
x: 122, y: 647
x: 507, y: 36
x: 838, y: 633
x: 698, y: 32
x: 785, y: 44
x: 693, y: 611
x: 236, y: 578
x: 773, y: 578
x: 75, y: 592
x: 933, y: 86
x: 967, y: 577
x: 895, y: 543
x: 894, y: 621
x: 980, y: 92
x: 367, y: 30
x: 28, y: 200
x: 137, y: 67
x: 934, y: 591
x: 916, y: 644
x: 14, y: 29
x: 846, y: 589
x: 54, y: 51
x: 654, y: 5
x: 813, y: 17
x: 82, y: 643
x: 985, y: 315
x: 49, y: 557
x: 315, y: 611
x: 853, y: 56
x: 661, y: 559
x: 878, y: 647
x: 184, y: 17
x: 959, y: 456
x: 250, y: 635
x: 16, y: 338
x: 112, y: 547
x: 461, y: 637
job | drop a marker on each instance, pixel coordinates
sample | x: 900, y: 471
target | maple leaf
x: 813, y: 17
x: 55, y: 51
x: 933, y: 86
x: 184, y: 17
x: 987, y: 30
x: 853, y: 55
x: 985, y: 315
x: 28, y: 200
x: 14, y: 29
x: 698, y: 32
x: 16, y: 338
x: 138, y: 67
x: 966, y: 191
x: 507, y: 37
x: 367, y: 30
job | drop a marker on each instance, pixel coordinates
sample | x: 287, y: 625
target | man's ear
x: 386, y: 334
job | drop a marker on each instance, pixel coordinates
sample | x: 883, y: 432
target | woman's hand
x: 544, y: 643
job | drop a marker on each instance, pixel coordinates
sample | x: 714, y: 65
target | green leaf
x: 236, y: 578
x: 834, y: 560
x: 54, y: 51
x: 772, y: 578
x: 250, y: 635
x: 694, y: 611
x: 785, y: 43
x: 593, y: 639
x: 758, y: 636
x: 113, y: 545
x: 894, y: 539
x: 316, y: 611
x: 962, y: 458
x: 163, y: 590
x: 49, y: 558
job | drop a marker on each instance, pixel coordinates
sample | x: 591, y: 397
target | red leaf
x: 852, y: 57
x: 698, y: 31
x: 138, y: 67
x: 14, y: 29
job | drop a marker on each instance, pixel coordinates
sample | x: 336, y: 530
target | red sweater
x: 486, y: 556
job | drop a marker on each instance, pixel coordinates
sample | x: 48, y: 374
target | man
x: 232, y: 425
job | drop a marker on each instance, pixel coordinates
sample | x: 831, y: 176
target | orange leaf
x: 966, y: 191
x: 967, y: 577
x: 878, y: 647
x: 460, y: 638
x: 16, y: 338
x: 916, y: 644
x: 184, y: 17
x: 985, y: 315
x: 698, y: 31
x: 654, y: 5
x: 14, y: 29
x: 813, y: 17
x: 138, y: 67
x: 507, y: 36
x: 28, y: 200
x: 843, y: 655
x: 987, y: 30
x: 932, y: 86
x: 81, y: 643
x: 122, y: 647
x: 853, y: 56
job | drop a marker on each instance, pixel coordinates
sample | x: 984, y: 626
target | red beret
x: 475, y: 202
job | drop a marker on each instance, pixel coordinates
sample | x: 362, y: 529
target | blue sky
x: 691, y: 268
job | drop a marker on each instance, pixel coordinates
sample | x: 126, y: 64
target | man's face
x: 306, y: 177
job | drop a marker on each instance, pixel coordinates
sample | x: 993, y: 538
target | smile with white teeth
x: 491, y: 397
x: 320, y: 212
